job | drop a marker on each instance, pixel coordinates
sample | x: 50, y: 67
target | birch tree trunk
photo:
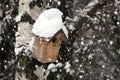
x: 27, y: 68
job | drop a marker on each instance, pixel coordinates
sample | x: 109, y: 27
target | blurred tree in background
x: 92, y: 51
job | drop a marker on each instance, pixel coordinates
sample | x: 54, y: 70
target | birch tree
x: 24, y: 37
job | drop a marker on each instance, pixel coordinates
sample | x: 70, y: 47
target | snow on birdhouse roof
x: 49, y: 23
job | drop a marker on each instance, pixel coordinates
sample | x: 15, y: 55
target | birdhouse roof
x: 49, y: 23
x: 63, y: 36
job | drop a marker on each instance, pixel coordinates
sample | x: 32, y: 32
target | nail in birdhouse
x: 49, y: 32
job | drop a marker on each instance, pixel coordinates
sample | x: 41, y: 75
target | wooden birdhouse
x: 49, y: 32
x: 47, y: 51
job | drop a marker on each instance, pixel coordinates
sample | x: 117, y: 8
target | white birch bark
x: 25, y: 36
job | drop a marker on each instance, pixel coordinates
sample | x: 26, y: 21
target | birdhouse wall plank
x: 47, y: 51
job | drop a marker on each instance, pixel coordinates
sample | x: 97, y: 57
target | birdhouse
x: 47, y: 51
x: 49, y: 32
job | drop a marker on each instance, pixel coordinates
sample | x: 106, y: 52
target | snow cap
x: 49, y: 23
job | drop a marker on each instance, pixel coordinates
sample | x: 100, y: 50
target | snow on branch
x: 89, y: 7
x: 117, y: 2
x: 83, y: 12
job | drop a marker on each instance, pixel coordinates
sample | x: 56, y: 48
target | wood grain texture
x: 47, y: 51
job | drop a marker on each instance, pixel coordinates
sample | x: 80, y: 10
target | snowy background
x: 92, y: 51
